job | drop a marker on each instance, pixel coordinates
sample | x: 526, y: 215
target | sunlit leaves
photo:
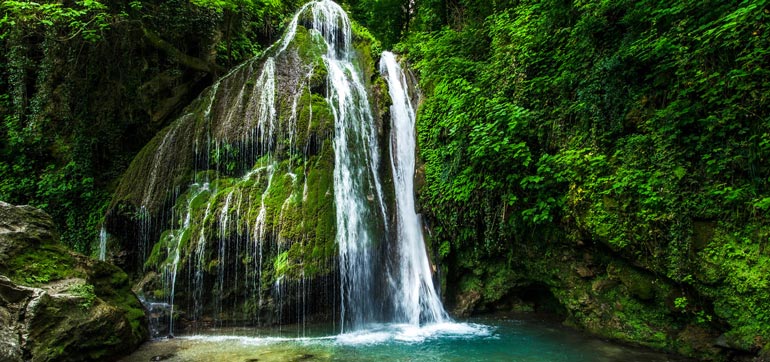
x: 87, y: 18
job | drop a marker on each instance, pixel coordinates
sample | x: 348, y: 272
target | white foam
x: 408, y: 333
x: 374, y: 334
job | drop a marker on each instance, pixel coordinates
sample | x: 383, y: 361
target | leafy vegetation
x: 634, y: 132
x: 85, y: 292
x: 626, y: 125
x: 85, y: 84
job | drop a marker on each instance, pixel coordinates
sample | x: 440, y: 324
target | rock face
x: 56, y: 305
x: 229, y: 214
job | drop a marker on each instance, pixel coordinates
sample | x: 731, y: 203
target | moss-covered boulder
x: 228, y: 216
x: 591, y: 288
x: 56, y: 305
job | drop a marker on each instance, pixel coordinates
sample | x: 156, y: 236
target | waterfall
x: 277, y: 205
x: 356, y: 181
x: 415, y: 298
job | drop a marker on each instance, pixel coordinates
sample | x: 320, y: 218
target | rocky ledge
x: 56, y: 305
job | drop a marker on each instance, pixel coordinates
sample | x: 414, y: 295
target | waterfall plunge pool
x: 499, y: 338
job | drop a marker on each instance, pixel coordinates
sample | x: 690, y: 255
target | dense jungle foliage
x: 634, y: 131
x: 639, y: 126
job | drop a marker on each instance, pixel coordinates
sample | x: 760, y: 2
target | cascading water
x: 355, y: 175
x: 415, y: 299
x: 279, y: 210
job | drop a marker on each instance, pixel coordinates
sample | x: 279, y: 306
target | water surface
x: 513, y: 339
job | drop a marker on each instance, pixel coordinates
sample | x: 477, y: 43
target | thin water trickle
x: 102, y: 243
x: 174, y: 245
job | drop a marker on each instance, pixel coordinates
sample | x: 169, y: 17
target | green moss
x: 42, y: 265
x: 470, y: 283
x: 639, y: 284
x: 128, y: 191
x: 119, y: 278
x: 281, y: 189
x: 310, y: 46
x: 735, y: 259
x: 498, y: 283
x: 84, y: 291
x: 200, y: 199
x: 323, y: 120
x: 156, y: 255
x: 363, y: 39
x: 281, y: 264
x: 319, y: 206
x: 380, y: 89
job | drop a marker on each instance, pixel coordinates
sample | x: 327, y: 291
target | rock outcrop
x: 56, y: 305
x: 229, y: 216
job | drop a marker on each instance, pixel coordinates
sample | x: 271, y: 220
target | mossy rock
x: 74, y: 308
x: 639, y: 284
x: 255, y: 198
x: 23, y: 228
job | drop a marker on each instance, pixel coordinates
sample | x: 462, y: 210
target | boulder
x: 56, y: 305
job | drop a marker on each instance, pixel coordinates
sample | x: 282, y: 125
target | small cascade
x: 102, y: 243
x: 200, y: 264
x: 416, y: 300
x: 175, y: 241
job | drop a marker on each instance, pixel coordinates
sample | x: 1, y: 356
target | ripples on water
x: 479, y: 340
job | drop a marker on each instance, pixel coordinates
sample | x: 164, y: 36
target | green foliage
x: 680, y: 303
x: 742, y: 298
x: 387, y: 19
x: 87, y: 18
x: 616, y: 123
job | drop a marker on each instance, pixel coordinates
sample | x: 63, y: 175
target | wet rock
x: 56, y: 305
x: 639, y: 284
x: 466, y: 302
x: 21, y: 228
x: 10, y: 340
x: 695, y: 340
